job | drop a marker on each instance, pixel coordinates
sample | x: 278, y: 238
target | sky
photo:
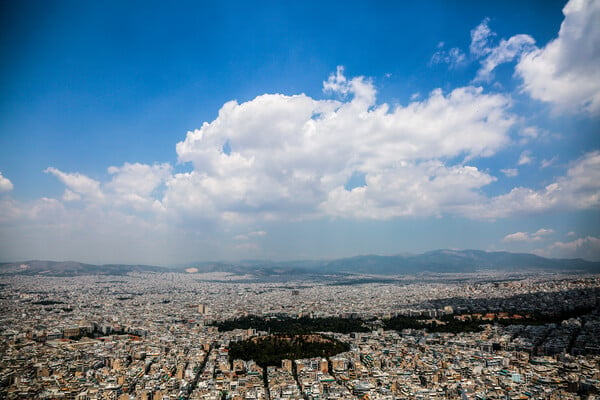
x: 157, y: 133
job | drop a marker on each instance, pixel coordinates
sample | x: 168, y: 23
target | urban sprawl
x: 153, y: 336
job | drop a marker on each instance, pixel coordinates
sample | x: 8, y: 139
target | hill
x: 457, y: 261
x: 438, y: 261
x: 72, y: 268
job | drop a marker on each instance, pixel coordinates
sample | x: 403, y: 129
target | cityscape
x: 157, y: 336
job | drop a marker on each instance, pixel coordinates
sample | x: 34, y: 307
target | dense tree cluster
x: 270, y: 350
x: 449, y: 324
x: 538, y: 318
x: 295, y: 326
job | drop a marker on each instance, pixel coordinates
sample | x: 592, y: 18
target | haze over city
x: 164, y: 134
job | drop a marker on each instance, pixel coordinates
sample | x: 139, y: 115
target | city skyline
x: 526, y: 335
x: 164, y: 135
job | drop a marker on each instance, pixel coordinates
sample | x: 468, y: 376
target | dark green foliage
x: 456, y: 326
x: 48, y: 302
x: 270, y: 350
x: 402, y: 322
x: 539, y: 318
x: 451, y: 325
x: 294, y: 326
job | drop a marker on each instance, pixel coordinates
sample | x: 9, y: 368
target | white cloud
x: 530, y: 132
x: 543, y: 232
x: 491, y: 55
x: 566, y: 72
x: 138, y: 178
x: 292, y: 155
x: 78, y: 184
x: 453, y: 57
x: 517, y: 237
x: 525, y: 158
x: 510, y: 172
x: 423, y: 189
x: 480, y: 37
x: 548, y: 162
x: 506, y: 51
x: 579, y: 189
x: 361, y: 89
x: 5, y: 184
x: 539, y: 235
x: 587, y: 248
x: 40, y: 212
x: 134, y: 184
x: 50, y: 229
x: 250, y: 235
x: 70, y: 195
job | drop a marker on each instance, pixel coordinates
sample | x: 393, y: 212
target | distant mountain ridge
x: 458, y: 261
x: 437, y: 261
x: 71, y: 268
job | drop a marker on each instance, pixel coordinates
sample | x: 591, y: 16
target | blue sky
x: 156, y: 133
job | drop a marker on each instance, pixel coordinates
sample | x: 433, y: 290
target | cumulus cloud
x: 579, y: 189
x: 566, y: 72
x: 5, y: 184
x: 480, y: 39
x: 539, y: 235
x: 39, y: 212
x: 510, y: 172
x: 138, y: 178
x: 361, y: 89
x: 70, y: 195
x: 525, y: 158
x: 517, y: 237
x: 293, y: 155
x: 530, y: 132
x: 52, y: 229
x: 543, y: 232
x: 587, y: 248
x: 506, y: 51
x: 134, y: 184
x: 491, y: 55
x: 78, y: 184
x: 423, y: 189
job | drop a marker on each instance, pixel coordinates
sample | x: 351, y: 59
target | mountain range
x: 438, y: 261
